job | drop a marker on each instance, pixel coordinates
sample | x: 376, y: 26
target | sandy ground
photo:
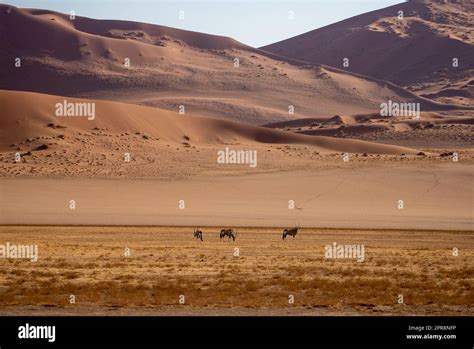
x: 164, y: 263
x: 434, y: 197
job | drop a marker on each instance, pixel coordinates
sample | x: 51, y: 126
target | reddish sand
x: 416, y: 52
x: 171, y: 67
x: 27, y: 116
x: 437, y: 197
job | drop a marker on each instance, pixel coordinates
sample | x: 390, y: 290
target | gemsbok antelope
x: 229, y: 233
x: 198, y: 234
x: 291, y: 231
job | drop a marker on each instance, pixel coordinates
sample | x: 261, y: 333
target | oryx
x: 290, y: 231
x: 229, y: 233
x: 198, y: 234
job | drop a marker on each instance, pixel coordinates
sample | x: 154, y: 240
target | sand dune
x: 43, y: 30
x: 171, y: 67
x: 431, y: 130
x: 32, y: 116
x: 415, y: 52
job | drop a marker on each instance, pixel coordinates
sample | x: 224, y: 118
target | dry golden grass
x: 166, y: 262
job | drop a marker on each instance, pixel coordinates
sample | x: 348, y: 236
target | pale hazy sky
x: 253, y: 22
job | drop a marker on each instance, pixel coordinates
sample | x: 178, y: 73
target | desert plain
x: 165, y: 264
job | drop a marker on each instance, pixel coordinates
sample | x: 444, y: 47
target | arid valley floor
x: 165, y: 263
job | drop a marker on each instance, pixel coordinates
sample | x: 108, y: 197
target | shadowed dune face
x: 165, y: 67
x: 60, y: 37
x: 415, y: 50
